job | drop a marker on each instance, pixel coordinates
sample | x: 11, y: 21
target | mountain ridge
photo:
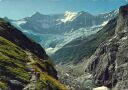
x: 50, y: 23
x: 20, y: 64
x: 109, y: 63
x: 11, y: 33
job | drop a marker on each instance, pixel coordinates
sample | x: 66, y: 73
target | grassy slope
x: 12, y: 63
x: 13, y: 67
x: 45, y: 79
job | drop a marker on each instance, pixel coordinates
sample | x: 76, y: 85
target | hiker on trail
x: 37, y: 76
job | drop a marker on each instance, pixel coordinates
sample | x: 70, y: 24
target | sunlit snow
x: 69, y: 16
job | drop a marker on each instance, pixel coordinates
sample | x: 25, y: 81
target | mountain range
x: 55, y: 31
x: 60, y: 34
x: 66, y: 22
x: 74, y: 50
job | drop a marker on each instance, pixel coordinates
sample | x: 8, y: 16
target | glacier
x: 53, y: 42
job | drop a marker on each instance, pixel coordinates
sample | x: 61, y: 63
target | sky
x: 17, y: 9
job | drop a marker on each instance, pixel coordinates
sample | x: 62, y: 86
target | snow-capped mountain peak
x: 69, y: 16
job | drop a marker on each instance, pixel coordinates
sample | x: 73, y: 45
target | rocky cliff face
x: 24, y: 64
x: 109, y: 64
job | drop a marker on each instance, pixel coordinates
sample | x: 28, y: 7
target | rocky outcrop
x: 109, y: 64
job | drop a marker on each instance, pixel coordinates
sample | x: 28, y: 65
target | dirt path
x: 33, y: 80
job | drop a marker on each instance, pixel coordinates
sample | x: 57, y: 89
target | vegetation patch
x: 12, y: 62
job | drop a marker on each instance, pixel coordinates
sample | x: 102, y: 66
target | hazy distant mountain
x: 60, y: 23
x: 55, y: 31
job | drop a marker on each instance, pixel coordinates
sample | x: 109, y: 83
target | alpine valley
x: 69, y: 51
